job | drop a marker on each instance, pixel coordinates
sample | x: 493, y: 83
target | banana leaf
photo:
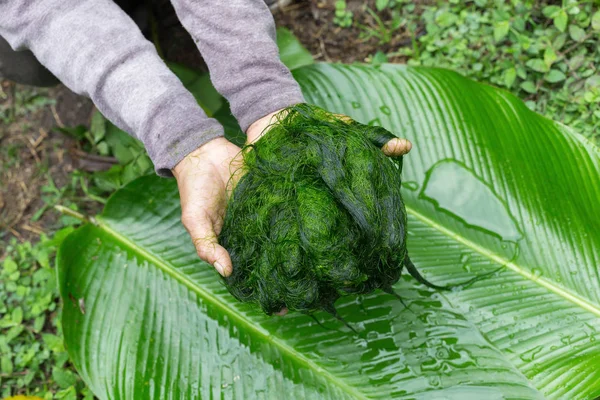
x: 490, y: 188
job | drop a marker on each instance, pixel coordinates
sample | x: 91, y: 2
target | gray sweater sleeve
x: 95, y: 49
x: 237, y: 40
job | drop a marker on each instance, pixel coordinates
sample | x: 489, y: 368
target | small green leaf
x: 501, y: 30
x: 13, y: 332
x: 560, y: 20
x: 446, y: 19
x: 98, y: 127
x: 379, y: 58
x: 551, y: 11
x: 103, y: 149
x: 9, y: 266
x: 576, y: 62
x: 381, y: 4
x: 63, y: 378
x: 576, y: 33
x: 559, y: 41
x: 537, y: 64
x: 38, y: 324
x: 524, y: 41
x: 529, y: 87
x: 588, y: 72
x: 17, y: 315
x: 596, y: 21
x: 593, y: 82
x: 87, y: 394
x: 509, y: 77
x: 53, y: 342
x: 521, y: 71
x: 590, y: 97
x: 555, y: 76
x: 6, y: 365
x: 549, y: 56
x: 67, y: 394
x: 530, y: 104
x: 79, y: 132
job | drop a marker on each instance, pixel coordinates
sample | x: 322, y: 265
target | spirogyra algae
x: 318, y: 214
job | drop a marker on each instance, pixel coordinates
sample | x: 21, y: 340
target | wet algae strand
x: 318, y: 214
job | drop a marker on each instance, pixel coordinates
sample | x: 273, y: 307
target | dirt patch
x: 33, y: 157
x: 312, y: 22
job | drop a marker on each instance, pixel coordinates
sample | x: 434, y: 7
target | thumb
x: 396, y: 147
x: 202, y: 231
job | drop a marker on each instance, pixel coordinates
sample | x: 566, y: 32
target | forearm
x: 237, y: 40
x: 95, y: 49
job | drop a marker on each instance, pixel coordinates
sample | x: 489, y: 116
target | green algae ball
x: 318, y: 214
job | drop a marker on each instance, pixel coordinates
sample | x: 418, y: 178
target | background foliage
x: 545, y: 52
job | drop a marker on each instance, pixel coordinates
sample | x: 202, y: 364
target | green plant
x: 33, y: 359
x: 543, y: 52
x: 383, y: 31
x: 488, y: 184
x: 105, y: 139
x: 384, y: 22
x: 343, y: 16
x: 21, y: 102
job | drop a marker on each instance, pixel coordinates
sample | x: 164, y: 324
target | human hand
x: 205, y: 178
x: 393, y: 148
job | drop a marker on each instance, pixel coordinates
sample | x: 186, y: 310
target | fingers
x: 202, y: 231
x: 260, y: 127
x: 396, y: 147
x: 343, y: 118
x: 282, y: 312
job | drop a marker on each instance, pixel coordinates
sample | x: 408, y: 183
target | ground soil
x: 34, y: 152
x: 312, y: 22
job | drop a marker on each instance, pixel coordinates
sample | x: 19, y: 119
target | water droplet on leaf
x: 386, y: 110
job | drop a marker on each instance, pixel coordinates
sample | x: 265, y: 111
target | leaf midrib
x: 567, y: 295
x: 214, y: 300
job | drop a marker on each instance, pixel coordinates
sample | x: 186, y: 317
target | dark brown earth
x: 312, y: 22
x: 33, y: 153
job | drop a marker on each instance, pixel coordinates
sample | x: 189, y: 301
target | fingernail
x: 219, y: 267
